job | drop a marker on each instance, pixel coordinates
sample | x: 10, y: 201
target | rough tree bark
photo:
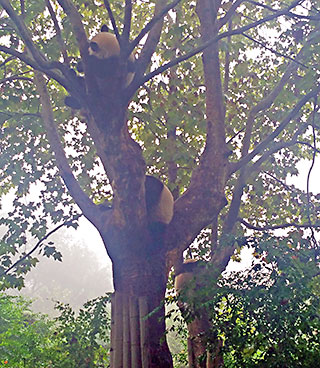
x: 207, y: 11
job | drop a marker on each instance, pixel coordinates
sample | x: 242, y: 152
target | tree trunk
x: 138, y: 332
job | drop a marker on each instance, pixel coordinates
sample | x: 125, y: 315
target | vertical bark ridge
x: 131, y: 344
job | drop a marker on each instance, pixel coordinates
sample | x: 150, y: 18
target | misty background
x: 86, y: 271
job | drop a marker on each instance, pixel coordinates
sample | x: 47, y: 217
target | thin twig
x: 235, y: 136
x: 66, y: 223
x: 262, y: 145
x: 275, y: 51
x: 58, y: 32
x: 277, y: 180
x: 308, y: 145
x: 15, y: 77
x: 275, y: 227
x: 199, y: 49
x: 6, y: 61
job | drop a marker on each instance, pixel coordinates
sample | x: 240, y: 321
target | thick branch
x: 81, y: 199
x: 77, y: 26
x: 113, y: 21
x: 205, y: 196
x: 25, y: 34
x: 127, y: 21
x: 31, y: 62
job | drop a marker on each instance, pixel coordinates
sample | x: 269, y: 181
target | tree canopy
x: 222, y: 107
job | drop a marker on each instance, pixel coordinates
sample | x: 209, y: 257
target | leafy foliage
x: 29, y: 339
x: 268, y: 315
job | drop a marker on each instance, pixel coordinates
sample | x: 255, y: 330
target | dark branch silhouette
x: 39, y: 243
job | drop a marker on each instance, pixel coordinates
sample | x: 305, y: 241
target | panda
x: 184, y: 274
x: 103, y: 61
x: 159, y: 205
x: 104, y: 53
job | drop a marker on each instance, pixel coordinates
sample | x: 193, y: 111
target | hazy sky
x: 88, y: 236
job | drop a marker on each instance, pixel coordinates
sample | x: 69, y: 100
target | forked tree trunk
x: 138, y: 332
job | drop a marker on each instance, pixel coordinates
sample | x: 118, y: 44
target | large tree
x: 220, y: 107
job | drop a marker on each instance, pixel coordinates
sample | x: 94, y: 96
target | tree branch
x: 227, y: 63
x: 269, y: 99
x: 274, y: 51
x: 58, y: 33
x: 308, y: 145
x: 199, y: 49
x: 39, y: 58
x: 6, y: 61
x: 127, y: 21
x: 276, y: 227
x: 245, y: 174
x: 205, y: 196
x: 262, y: 5
x: 39, y: 243
x: 113, y: 21
x: 31, y: 62
x: 77, y: 26
x: 314, y: 154
x: 81, y: 199
x: 148, y: 48
x: 222, y: 21
x: 278, y: 180
x: 15, y: 77
x: 158, y: 15
x: 262, y: 145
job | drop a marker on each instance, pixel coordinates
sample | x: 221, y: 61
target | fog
x: 86, y: 270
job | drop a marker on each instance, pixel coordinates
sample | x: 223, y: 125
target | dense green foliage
x: 71, y: 340
x: 267, y: 316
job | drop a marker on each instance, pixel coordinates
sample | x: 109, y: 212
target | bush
x: 71, y: 340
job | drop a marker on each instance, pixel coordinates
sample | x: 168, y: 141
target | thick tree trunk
x: 199, y: 354
x: 138, y: 338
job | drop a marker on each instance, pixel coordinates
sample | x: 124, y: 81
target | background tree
x: 224, y: 129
